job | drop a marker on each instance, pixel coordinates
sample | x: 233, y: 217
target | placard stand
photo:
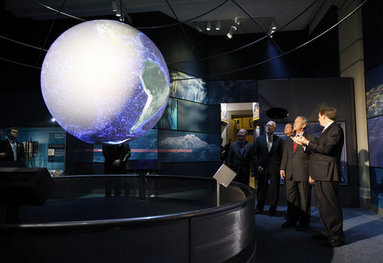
x: 223, y: 176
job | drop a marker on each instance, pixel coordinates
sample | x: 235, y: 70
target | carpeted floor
x: 363, y: 231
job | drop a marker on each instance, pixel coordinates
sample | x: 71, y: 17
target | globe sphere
x: 105, y: 82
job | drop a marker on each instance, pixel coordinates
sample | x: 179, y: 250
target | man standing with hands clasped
x: 325, y: 173
x: 240, y: 158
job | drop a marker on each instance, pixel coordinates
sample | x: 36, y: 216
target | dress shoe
x: 301, y: 228
x: 258, y: 211
x: 288, y: 224
x: 319, y: 236
x: 335, y: 243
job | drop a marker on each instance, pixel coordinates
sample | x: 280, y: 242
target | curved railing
x: 146, y: 206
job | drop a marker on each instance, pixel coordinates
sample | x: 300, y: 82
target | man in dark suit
x: 325, y: 173
x: 240, y: 158
x: 268, y: 155
x: 116, y: 157
x: 11, y: 150
x: 295, y: 171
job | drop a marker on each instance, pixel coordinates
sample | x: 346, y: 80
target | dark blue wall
x: 373, y: 58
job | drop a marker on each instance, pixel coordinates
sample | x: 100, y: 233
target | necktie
x: 295, y: 147
x: 269, y: 143
x: 13, y: 145
x: 242, y: 147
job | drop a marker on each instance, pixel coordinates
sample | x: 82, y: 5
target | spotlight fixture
x: 218, y: 26
x: 233, y: 28
x: 208, y: 26
x: 199, y: 29
x: 236, y: 21
x: 272, y: 28
x: 114, y: 6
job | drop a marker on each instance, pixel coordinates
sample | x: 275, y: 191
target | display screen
x: 193, y: 116
x: 177, y: 146
x: 375, y: 139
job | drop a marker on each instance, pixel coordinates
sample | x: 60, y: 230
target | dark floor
x: 363, y: 231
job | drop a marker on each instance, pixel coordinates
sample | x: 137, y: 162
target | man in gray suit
x: 295, y: 171
x: 268, y: 154
x: 325, y: 172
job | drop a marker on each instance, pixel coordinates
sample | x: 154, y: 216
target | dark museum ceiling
x: 252, y: 14
x: 28, y: 27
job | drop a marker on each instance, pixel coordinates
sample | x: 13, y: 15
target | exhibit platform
x: 133, y: 218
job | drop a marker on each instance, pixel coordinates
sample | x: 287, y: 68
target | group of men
x: 12, y: 151
x: 302, y: 160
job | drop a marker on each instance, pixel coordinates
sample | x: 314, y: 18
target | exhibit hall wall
x: 373, y: 54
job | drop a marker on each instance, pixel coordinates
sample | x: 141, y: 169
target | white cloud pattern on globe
x: 105, y: 82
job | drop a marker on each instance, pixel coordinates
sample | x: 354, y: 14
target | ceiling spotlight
x: 218, y: 25
x: 53, y: 119
x: 114, y: 6
x: 208, y: 26
x: 236, y: 21
x: 199, y: 29
x: 273, y: 26
x: 233, y: 28
x: 272, y: 29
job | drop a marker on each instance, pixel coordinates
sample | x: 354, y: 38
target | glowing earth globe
x: 105, y: 82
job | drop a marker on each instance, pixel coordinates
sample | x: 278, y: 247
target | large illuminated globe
x: 105, y: 82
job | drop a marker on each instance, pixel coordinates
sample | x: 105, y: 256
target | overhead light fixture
x: 273, y: 26
x: 199, y: 29
x: 114, y: 6
x: 208, y: 26
x: 218, y: 25
x: 233, y: 28
x: 272, y: 29
x: 236, y: 21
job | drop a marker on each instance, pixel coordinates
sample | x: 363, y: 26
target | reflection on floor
x: 363, y: 231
